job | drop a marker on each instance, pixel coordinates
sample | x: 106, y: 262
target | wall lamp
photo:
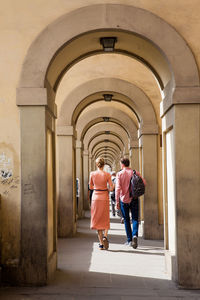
x: 106, y: 119
x: 107, y: 97
x: 108, y: 43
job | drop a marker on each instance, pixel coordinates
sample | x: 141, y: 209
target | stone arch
x: 135, y: 96
x: 102, y: 152
x: 113, y: 128
x: 103, y: 134
x: 33, y: 97
x: 100, y: 120
x: 107, y: 144
x: 104, y: 137
x: 104, y: 16
x: 110, y: 150
x: 115, y: 113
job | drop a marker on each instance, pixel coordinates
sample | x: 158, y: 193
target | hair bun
x: 100, y: 162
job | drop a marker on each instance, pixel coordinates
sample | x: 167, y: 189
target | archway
x: 178, y: 76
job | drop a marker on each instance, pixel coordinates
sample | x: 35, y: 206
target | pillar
x: 90, y: 163
x: 149, y: 143
x: 85, y: 178
x: 67, y: 181
x: 182, y: 119
x: 38, y: 253
x: 134, y: 155
x: 93, y: 163
x: 79, y: 175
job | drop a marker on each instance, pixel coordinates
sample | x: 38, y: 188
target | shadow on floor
x: 122, y: 273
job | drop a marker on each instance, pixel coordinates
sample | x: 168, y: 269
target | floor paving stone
x: 121, y: 273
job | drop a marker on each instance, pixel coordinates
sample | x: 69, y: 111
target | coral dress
x: 100, y: 216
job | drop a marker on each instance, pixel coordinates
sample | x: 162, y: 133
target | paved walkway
x: 121, y: 273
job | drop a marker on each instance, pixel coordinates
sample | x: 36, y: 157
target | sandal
x: 105, y: 243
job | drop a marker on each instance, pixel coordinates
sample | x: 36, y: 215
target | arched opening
x: 42, y: 71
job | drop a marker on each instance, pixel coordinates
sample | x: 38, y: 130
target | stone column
x: 38, y: 204
x: 149, y: 144
x: 93, y: 164
x: 90, y: 163
x: 85, y: 178
x: 79, y: 175
x: 67, y: 181
x: 182, y: 121
x: 134, y: 155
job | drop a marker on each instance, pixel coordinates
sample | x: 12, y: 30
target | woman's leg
x: 106, y: 233
x: 100, y: 236
x: 105, y: 239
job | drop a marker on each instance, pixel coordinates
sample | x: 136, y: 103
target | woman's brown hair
x: 100, y: 162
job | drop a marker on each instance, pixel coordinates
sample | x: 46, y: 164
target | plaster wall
x: 21, y: 22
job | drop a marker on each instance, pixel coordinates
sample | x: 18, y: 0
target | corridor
x: 120, y: 273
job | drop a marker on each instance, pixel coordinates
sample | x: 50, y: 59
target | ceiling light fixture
x: 107, y: 97
x: 108, y: 43
x: 106, y: 119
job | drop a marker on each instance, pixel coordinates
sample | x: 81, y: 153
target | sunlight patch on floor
x: 124, y: 260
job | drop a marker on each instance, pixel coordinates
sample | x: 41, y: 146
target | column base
x: 153, y: 232
x: 16, y: 275
x: 170, y: 265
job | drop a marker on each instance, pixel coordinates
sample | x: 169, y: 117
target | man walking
x: 126, y: 203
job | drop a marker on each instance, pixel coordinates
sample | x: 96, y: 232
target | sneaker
x: 128, y: 243
x: 135, y: 242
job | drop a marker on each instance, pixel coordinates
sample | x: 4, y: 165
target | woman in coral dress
x: 100, y: 214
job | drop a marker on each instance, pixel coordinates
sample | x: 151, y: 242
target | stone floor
x: 121, y: 273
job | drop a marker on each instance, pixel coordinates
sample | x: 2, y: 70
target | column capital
x: 36, y: 97
x: 180, y: 95
x: 66, y: 130
x: 79, y: 144
x: 85, y: 152
x: 134, y: 144
x: 148, y: 129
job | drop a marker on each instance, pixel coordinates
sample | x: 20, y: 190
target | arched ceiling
x: 111, y: 128
x: 118, y: 100
x: 103, y: 151
x: 112, y: 142
x: 127, y: 44
x: 110, y: 66
x: 112, y: 107
x: 104, y: 145
x: 96, y: 112
x: 106, y: 135
x: 107, y: 138
x: 100, y: 121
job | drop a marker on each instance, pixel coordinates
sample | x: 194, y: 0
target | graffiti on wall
x: 6, y: 166
x: 8, y: 181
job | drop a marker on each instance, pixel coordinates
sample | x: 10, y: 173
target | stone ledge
x: 31, y: 96
x: 181, y: 95
x: 148, y: 129
x: 65, y: 130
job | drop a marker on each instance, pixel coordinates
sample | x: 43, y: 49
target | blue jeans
x: 133, y: 208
